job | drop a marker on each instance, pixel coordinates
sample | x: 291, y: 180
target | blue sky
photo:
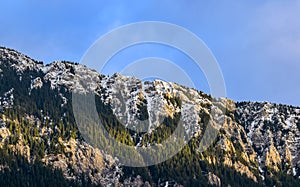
x: 256, y: 43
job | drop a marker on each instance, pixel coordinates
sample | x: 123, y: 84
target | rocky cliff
x: 257, y: 143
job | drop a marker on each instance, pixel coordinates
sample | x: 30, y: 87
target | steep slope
x: 274, y: 132
x: 256, y: 143
x: 36, y: 122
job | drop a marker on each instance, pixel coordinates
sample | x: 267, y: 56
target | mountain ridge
x: 237, y: 146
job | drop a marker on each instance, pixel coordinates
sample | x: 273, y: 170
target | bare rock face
x: 81, y: 159
x: 136, y: 182
x: 76, y: 160
x: 4, y: 133
x: 244, y: 169
x: 213, y: 179
x: 274, y: 133
x: 252, y: 139
x: 19, y: 62
x: 36, y: 83
x: 273, y: 159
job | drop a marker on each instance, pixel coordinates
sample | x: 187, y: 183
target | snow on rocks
x: 19, y: 61
x: 272, y: 128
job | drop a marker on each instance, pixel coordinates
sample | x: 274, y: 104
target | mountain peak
x: 257, y: 143
x: 18, y: 61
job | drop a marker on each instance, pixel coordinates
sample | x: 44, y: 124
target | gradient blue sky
x: 257, y: 43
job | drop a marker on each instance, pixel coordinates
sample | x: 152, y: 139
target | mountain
x: 256, y: 144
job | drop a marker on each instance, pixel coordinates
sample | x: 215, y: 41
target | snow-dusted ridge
x: 19, y: 61
x: 273, y: 129
x: 268, y: 134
